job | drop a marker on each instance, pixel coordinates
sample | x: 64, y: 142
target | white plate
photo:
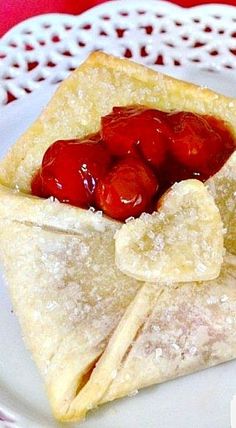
x: 201, y: 400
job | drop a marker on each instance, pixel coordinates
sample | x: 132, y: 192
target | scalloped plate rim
x: 212, y: 7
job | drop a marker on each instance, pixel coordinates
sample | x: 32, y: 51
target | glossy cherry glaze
x: 136, y: 129
x: 197, y: 142
x: 138, y: 154
x: 71, y: 169
x: 127, y: 190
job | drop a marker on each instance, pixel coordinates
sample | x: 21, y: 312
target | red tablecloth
x: 14, y: 11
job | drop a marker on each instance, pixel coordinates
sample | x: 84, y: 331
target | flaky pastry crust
x: 95, y: 333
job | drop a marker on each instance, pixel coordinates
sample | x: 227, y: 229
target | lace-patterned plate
x: 200, y: 400
x: 48, y: 47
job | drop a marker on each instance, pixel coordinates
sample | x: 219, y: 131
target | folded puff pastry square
x: 95, y: 333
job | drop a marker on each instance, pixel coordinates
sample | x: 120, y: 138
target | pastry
x: 95, y: 331
x: 170, y: 245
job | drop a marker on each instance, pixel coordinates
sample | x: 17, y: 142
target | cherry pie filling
x: 138, y: 154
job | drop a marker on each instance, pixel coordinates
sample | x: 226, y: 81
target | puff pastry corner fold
x: 66, y: 292
x: 95, y: 333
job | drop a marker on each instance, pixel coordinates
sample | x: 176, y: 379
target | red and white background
x: 43, y: 41
x: 11, y: 14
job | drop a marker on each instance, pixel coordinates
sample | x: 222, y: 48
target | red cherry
x: 172, y: 172
x: 37, y: 184
x: 193, y: 142
x: 153, y: 147
x: 128, y: 129
x: 178, y: 145
x: 143, y: 172
x: 71, y: 169
x: 228, y: 142
x: 127, y: 190
x: 117, y: 129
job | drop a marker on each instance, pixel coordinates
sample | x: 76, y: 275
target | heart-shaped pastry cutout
x: 181, y: 242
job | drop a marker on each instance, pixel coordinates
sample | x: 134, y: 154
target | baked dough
x: 90, y: 92
x: 95, y: 333
x: 181, y: 242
